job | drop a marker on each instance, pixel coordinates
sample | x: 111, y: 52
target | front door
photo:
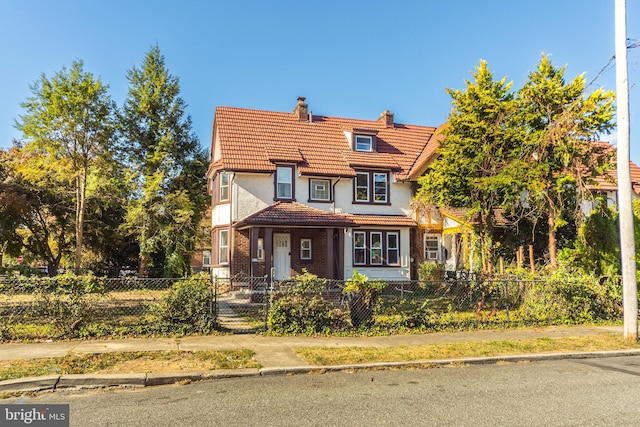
x: 281, y: 256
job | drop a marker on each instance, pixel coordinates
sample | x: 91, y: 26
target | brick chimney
x: 301, y: 111
x: 387, y: 118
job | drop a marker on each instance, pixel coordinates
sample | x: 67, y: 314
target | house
x: 294, y: 191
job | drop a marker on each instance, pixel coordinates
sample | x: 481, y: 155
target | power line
x: 631, y: 44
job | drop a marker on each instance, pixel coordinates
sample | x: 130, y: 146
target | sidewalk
x: 275, y: 354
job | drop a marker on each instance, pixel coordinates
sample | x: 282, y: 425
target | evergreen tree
x: 470, y: 170
x: 168, y: 168
x: 558, y: 126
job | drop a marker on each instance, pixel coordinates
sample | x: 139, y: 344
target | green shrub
x: 303, y: 310
x: 364, y: 298
x: 572, y: 298
x: 187, y: 307
x: 66, y: 300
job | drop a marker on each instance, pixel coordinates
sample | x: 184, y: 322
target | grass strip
x: 118, y: 362
x: 352, y: 355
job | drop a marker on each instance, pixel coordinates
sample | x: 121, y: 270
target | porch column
x: 268, y: 250
x: 330, y: 262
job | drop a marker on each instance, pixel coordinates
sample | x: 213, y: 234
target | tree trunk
x: 552, y: 239
x: 81, y: 186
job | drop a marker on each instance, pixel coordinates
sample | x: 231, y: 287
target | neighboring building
x: 294, y: 191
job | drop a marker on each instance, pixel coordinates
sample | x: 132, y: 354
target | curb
x: 92, y: 381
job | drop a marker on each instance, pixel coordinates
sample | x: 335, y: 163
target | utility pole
x: 627, y: 246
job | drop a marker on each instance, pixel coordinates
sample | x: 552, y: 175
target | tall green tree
x: 470, y: 170
x: 68, y: 127
x: 168, y: 168
x: 34, y: 215
x: 559, y: 123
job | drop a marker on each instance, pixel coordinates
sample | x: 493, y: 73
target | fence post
x: 506, y: 297
x: 215, y: 299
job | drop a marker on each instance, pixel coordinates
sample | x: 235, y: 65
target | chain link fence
x: 86, y: 306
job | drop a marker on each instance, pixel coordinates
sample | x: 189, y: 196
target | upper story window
x: 320, y: 190
x: 364, y: 143
x: 365, y: 181
x: 223, y: 187
x: 284, y: 182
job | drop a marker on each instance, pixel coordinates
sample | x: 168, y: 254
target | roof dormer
x: 363, y: 140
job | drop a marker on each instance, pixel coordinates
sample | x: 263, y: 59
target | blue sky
x: 349, y: 58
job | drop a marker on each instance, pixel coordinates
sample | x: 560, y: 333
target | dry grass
x: 351, y: 355
x: 128, y: 362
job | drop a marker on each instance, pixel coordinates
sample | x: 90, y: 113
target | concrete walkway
x: 275, y: 354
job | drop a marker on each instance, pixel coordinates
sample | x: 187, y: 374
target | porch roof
x: 294, y: 214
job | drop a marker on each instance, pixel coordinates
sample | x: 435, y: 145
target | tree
x: 34, y: 215
x: 68, y: 127
x: 470, y: 170
x: 559, y: 123
x: 168, y: 167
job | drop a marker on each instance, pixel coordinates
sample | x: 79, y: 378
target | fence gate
x: 241, y: 303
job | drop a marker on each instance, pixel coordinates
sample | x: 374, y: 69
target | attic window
x: 364, y: 143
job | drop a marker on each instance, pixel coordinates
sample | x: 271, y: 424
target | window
x: 284, y: 182
x: 379, y: 181
x: 431, y: 248
x: 260, y: 249
x: 223, y: 247
x: 364, y: 143
x: 362, y: 187
x: 380, y: 187
x: 320, y: 189
x: 223, y: 192
x: 359, y: 248
x: 376, y: 248
x: 393, y: 249
x: 206, y: 258
x: 305, y: 249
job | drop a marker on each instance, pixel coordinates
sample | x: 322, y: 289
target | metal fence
x: 62, y: 307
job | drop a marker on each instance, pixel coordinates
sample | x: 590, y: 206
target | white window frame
x: 223, y: 247
x: 367, y: 175
x: 384, y: 181
x: 284, y: 178
x: 391, y: 249
x: 260, y: 249
x: 363, y: 143
x: 375, y: 248
x: 314, y: 183
x: 305, y: 249
x: 206, y: 258
x: 431, y: 254
x: 362, y: 248
x: 223, y: 188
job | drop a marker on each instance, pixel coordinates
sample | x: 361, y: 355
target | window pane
x: 376, y: 248
x: 284, y: 182
x: 223, y: 247
x: 392, y: 249
x: 305, y: 248
x: 359, y: 249
x: 363, y: 143
x: 380, y: 187
x: 362, y: 187
x: 224, y: 186
x: 320, y: 189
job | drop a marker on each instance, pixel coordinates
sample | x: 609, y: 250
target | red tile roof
x: 253, y: 140
x: 609, y: 181
x: 382, y: 220
x: 294, y: 214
